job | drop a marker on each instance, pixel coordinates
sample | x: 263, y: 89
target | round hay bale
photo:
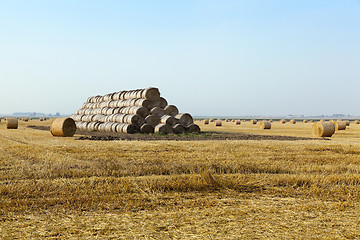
x: 63, y: 127
x: 218, y: 123
x: 340, y: 125
x: 323, y: 129
x: 305, y: 121
x: 193, y: 128
x: 253, y: 121
x: 12, y: 123
x: 347, y: 123
x: 265, y: 125
x: 206, y: 121
x: 157, y: 111
x: 151, y: 93
x: 356, y: 121
x: 179, y: 129
x: 146, y: 128
x: 282, y: 121
x: 152, y: 120
x: 170, y: 120
x: 184, y: 119
x: 171, y: 110
x: 127, y: 128
x: 237, y: 122
x: 292, y: 121
x: 163, y: 128
x: 146, y: 103
x: 322, y: 120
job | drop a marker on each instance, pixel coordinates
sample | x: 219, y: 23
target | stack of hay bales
x: 141, y: 110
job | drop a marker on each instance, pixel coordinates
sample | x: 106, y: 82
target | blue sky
x: 259, y: 57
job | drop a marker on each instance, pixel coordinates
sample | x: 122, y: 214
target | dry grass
x: 63, y: 188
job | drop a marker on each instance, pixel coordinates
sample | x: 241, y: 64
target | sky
x: 209, y: 58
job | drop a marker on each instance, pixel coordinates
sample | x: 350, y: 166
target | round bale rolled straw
x: 292, y: 121
x: 160, y: 102
x: 193, y: 128
x: 347, y: 123
x: 184, y: 119
x: 150, y: 93
x: 340, y: 125
x: 253, y: 121
x: 237, y: 122
x: 206, y: 121
x: 146, y: 128
x: 265, y: 125
x: 356, y: 122
x: 152, y: 120
x: 305, y: 121
x: 63, y: 127
x: 283, y: 121
x: 323, y: 129
x: 170, y: 120
x: 218, y: 123
x: 178, y: 129
x: 171, y: 110
x: 163, y: 128
x: 12, y: 123
x: 157, y: 111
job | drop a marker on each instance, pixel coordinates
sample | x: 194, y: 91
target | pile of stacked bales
x: 134, y: 111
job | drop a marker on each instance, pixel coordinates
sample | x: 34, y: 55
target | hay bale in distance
x: 218, y: 123
x: 63, y: 127
x: 292, y: 121
x: 254, y: 121
x: 265, y: 125
x: 237, y: 122
x: 347, y: 123
x: 282, y: 121
x: 206, y: 121
x: 356, y: 121
x: 323, y: 129
x: 12, y: 123
x: 305, y: 121
x: 340, y: 125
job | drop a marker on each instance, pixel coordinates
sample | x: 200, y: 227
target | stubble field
x: 65, y: 188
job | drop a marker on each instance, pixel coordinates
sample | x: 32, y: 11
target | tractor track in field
x: 203, y: 136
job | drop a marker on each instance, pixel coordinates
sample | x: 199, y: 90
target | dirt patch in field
x: 203, y: 136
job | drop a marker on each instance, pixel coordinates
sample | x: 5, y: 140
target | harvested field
x: 213, y: 185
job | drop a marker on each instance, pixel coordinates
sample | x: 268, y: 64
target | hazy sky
x: 253, y: 57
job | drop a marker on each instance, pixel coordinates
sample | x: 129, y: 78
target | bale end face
x: 12, y: 123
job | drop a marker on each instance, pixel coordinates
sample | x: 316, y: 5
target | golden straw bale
x: 237, y: 122
x: 206, y: 121
x: 63, y: 127
x: 292, y: 121
x: 265, y: 125
x: 253, y: 121
x: 340, y: 125
x: 356, y: 121
x: 218, y: 123
x: 305, y: 121
x: 323, y: 129
x: 12, y: 123
x: 282, y: 121
x: 347, y: 122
